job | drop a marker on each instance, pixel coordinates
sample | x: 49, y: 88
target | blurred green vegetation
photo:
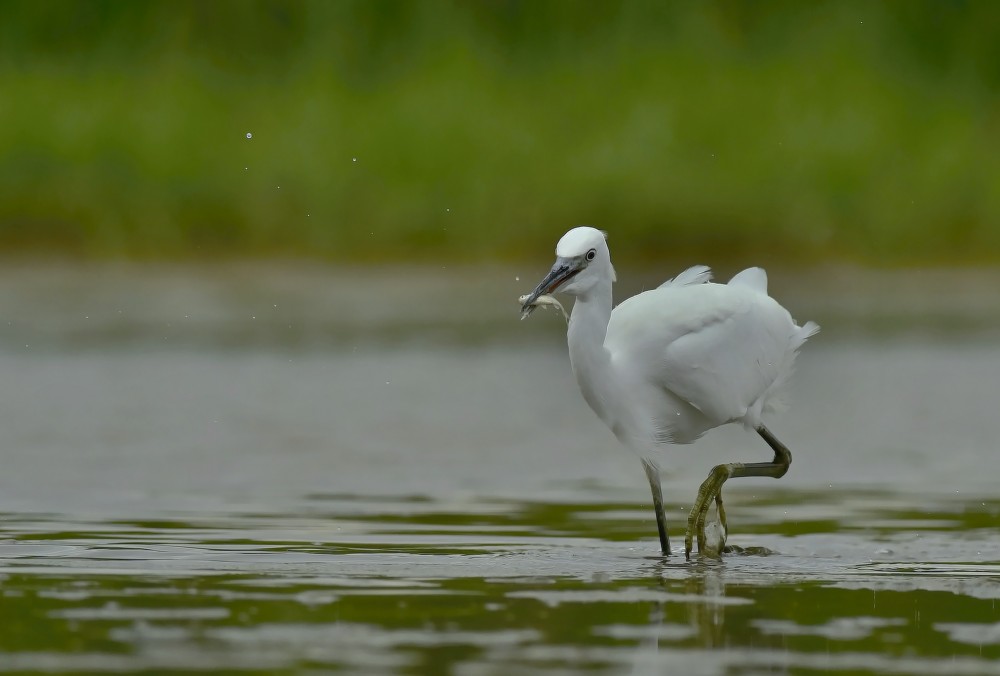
x: 385, y: 130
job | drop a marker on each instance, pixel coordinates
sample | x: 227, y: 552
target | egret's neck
x: 591, y: 362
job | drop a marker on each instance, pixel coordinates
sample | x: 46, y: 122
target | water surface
x: 240, y: 469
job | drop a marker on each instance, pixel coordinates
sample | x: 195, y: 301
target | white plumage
x: 669, y: 364
x: 723, y: 349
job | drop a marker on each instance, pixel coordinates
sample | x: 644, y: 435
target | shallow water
x: 236, y: 470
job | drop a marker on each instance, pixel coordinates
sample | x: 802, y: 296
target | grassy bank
x: 866, y: 131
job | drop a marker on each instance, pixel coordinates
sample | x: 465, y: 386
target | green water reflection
x: 542, y: 588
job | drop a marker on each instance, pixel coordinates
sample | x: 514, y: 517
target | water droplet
x: 354, y: 159
x: 249, y: 135
x: 516, y: 278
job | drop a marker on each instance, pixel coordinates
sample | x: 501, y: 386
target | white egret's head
x: 582, y: 261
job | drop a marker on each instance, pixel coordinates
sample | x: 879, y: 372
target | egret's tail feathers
x: 696, y: 274
x: 752, y: 278
x: 774, y: 400
x: 806, y: 331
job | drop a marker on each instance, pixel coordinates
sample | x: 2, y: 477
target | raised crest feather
x: 696, y: 274
x: 752, y: 278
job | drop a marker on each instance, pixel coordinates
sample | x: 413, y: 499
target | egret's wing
x: 720, y: 348
x: 696, y: 274
x: 728, y: 363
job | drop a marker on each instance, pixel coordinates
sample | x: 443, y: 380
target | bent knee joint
x: 783, y: 465
x: 720, y: 473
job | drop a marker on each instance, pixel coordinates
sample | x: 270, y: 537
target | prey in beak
x: 562, y: 271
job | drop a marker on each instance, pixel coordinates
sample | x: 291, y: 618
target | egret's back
x: 724, y: 349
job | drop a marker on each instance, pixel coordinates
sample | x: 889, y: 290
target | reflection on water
x: 186, y: 486
x: 486, y: 591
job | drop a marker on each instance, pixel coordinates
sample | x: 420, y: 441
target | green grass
x: 855, y: 130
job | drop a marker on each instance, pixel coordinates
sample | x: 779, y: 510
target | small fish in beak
x: 562, y: 271
x: 542, y: 301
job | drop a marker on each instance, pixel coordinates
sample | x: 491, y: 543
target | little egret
x: 669, y: 364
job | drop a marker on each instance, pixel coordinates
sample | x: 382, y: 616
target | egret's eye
x: 592, y: 254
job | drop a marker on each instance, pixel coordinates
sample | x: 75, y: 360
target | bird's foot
x: 711, y: 534
x: 712, y: 537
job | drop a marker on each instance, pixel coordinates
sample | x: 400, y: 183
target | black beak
x: 561, y: 272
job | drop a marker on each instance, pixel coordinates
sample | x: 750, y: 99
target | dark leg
x: 653, y: 474
x: 712, y: 486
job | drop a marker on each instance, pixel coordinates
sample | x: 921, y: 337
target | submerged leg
x: 712, y: 486
x: 653, y: 475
